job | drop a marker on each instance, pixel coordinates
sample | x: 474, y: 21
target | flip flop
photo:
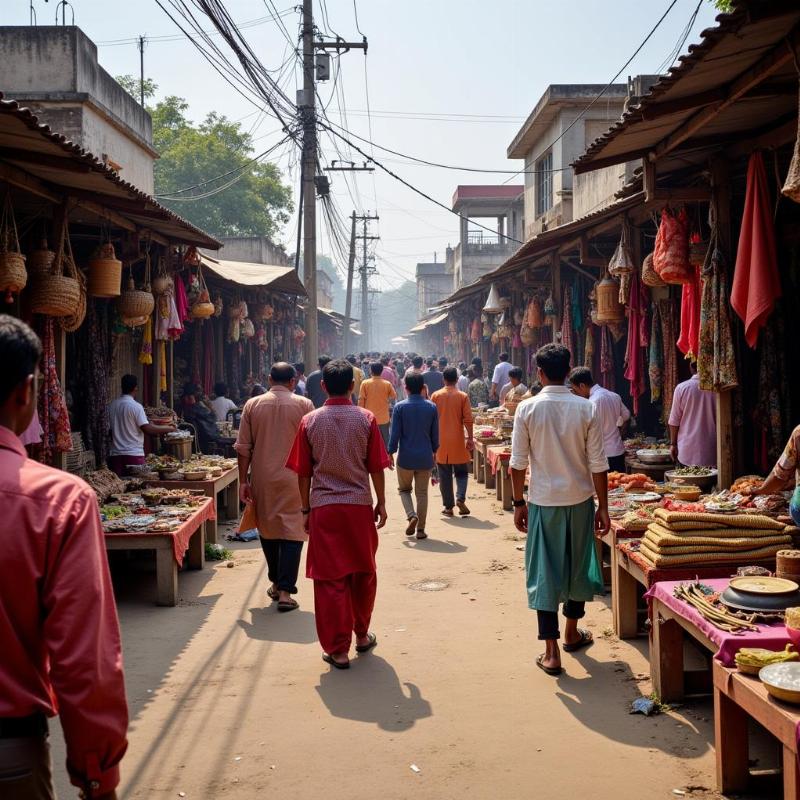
x: 585, y: 640
x: 365, y: 648
x: 330, y: 660
x: 288, y: 605
x: 548, y: 670
x: 272, y: 593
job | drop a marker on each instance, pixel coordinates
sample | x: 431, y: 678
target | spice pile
x: 154, y: 510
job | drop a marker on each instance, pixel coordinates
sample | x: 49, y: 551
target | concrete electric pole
x: 348, y: 305
x: 364, y: 272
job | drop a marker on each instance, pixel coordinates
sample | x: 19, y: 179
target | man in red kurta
x: 337, y: 450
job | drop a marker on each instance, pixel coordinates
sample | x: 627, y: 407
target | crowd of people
x: 312, y: 454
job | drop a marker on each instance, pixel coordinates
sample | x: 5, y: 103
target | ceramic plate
x: 644, y: 497
x: 785, y: 676
x: 763, y: 585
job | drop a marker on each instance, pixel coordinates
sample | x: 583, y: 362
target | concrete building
x: 434, y: 283
x: 558, y: 130
x: 53, y: 70
x: 480, y: 251
x: 324, y: 289
x: 253, y: 250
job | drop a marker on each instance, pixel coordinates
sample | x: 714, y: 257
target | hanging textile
x: 566, y: 324
x: 577, y: 304
x: 95, y: 347
x: 588, y: 351
x: 181, y: 300
x: 666, y: 310
x: 174, y: 324
x: 208, y: 356
x: 161, y: 330
x: 162, y: 366
x: 655, y: 361
x: 756, y: 283
x: 606, y: 359
x: 716, y: 360
x: 689, y: 338
x: 146, y: 348
x: 53, y: 414
x: 767, y: 414
x: 638, y: 337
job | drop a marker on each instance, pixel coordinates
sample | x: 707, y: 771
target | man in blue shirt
x: 415, y: 434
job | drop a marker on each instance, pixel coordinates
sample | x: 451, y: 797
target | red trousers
x: 342, y: 607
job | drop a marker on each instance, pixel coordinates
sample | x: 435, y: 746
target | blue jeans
x: 446, y: 472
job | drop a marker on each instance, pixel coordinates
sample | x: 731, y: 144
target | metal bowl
x: 654, y: 456
x: 747, y: 601
x: 705, y: 482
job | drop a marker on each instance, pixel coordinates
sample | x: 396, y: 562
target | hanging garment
x: 689, y: 338
x: 756, y: 283
x: 666, y: 311
x: 566, y: 325
x: 53, y: 414
x: 162, y: 366
x: 588, y: 354
x: 716, y: 360
x: 174, y: 324
x: 146, y: 348
x: 181, y: 300
x: 638, y: 336
x: 606, y: 359
x: 162, y: 317
x: 655, y: 361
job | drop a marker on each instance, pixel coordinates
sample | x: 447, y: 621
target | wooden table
x: 626, y: 577
x: 737, y: 697
x: 191, y: 533
x: 498, y: 478
x: 653, y: 471
x: 479, y: 458
x: 227, y: 482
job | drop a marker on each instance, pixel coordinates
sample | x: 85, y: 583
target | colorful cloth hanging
x: 53, y: 414
x: 181, y: 300
x: 655, y: 361
x: 716, y: 360
x: 588, y: 352
x: 666, y: 311
x: 689, y: 338
x: 566, y: 324
x: 146, y: 348
x: 162, y: 366
x: 756, y: 282
x: 606, y: 358
x: 638, y: 339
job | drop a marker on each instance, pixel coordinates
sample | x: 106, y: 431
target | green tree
x: 234, y: 195
x: 726, y: 6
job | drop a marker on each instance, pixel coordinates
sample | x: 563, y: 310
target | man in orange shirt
x: 375, y: 395
x: 453, y: 456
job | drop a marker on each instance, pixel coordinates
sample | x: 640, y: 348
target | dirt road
x: 231, y: 699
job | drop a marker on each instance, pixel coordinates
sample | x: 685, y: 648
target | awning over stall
x: 243, y: 273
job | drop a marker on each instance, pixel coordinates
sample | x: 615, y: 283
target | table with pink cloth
x: 495, y: 454
x: 770, y: 637
x: 181, y: 535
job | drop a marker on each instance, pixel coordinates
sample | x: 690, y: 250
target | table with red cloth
x: 630, y: 570
x: 170, y: 547
x: 498, y: 472
x: 672, y: 617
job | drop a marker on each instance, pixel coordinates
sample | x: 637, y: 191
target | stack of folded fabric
x: 677, y: 538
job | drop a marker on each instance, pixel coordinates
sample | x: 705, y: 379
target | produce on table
x: 698, y: 596
x: 112, y: 512
x: 695, y: 472
x: 637, y: 481
x: 752, y: 659
x: 746, y: 484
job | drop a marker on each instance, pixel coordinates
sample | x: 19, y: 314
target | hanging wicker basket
x: 13, y: 276
x: 649, y: 276
x: 161, y: 283
x: 72, y: 322
x: 697, y: 252
x: 58, y: 293
x: 105, y: 273
x: 202, y: 310
x: 135, y: 303
x: 40, y: 260
x: 609, y: 309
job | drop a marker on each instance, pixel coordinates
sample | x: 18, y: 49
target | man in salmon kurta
x: 266, y: 433
x: 338, y: 449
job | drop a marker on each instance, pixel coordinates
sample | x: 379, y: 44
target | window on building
x: 544, y: 183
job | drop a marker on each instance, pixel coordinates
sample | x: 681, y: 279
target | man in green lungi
x: 557, y: 434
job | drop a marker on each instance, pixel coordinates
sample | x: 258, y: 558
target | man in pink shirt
x: 693, y: 424
x: 59, y: 635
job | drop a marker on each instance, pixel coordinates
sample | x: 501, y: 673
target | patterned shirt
x: 338, y: 446
x: 478, y: 392
x: 788, y: 466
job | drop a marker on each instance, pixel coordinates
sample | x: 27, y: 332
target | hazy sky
x: 449, y: 81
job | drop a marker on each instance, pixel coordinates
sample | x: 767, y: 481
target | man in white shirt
x: 515, y: 387
x: 557, y: 433
x: 610, y: 411
x: 221, y: 404
x: 129, y: 424
x: 500, y: 375
x: 463, y: 380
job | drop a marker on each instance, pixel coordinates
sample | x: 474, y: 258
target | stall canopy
x: 339, y: 319
x: 739, y: 82
x: 429, y: 323
x: 50, y: 166
x: 266, y: 276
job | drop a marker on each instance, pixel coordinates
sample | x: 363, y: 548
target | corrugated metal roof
x: 33, y: 147
x: 702, y: 79
x: 427, y: 323
x: 265, y: 276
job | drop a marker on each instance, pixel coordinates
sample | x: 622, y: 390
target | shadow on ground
x: 269, y: 625
x: 370, y: 691
x: 435, y: 545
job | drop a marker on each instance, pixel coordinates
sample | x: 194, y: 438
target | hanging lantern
x: 492, y: 304
x: 549, y: 310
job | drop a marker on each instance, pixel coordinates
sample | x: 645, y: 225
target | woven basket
x: 105, y: 273
x: 202, y: 310
x: 58, y: 293
x: 649, y: 276
x: 40, y: 260
x: 135, y: 303
x: 697, y: 253
x: 72, y: 322
x: 755, y: 521
x: 13, y: 276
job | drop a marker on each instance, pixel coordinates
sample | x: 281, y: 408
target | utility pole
x: 364, y: 272
x: 141, y: 71
x: 348, y: 305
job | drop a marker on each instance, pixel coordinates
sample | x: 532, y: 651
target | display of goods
x: 649, y: 276
x: 698, y: 248
x: 105, y: 273
x: 671, y: 254
x: 636, y: 481
x: 105, y: 483
x: 622, y: 261
x: 654, y: 455
x: 782, y: 681
x: 699, y: 596
x: 534, y: 314
x: 638, y: 519
x: 57, y: 293
x: 177, y: 436
x: 248, y: 329
x: 160, y: 413
x: 202, y: 307
x: 40, y: 260
x: 688, y: 493
x: 135, y: 304
x: 752, y: 659
x: 609, y: 309
x: 699, y: 472
x: 13, y: 276
x: 672, y: 504
x: 549, y: 310
x: 746, y: 484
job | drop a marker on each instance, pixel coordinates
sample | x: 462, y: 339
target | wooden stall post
x: 720, y: 182
x: 555, y: 277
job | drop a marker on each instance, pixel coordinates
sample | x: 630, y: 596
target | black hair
x: 300, y: 368
x: 442, y: 363
x: 450, y: 375
x: 417, y: 362
x: 129, y: 383
x: 581, y: 375
x: 504, y: 356
x: 516, y: 373
x: 338, y: 377
x: 376, y: 368
x: 462, y: 366
x: 414, y: 383
x: 477, y: 362
x: 20, y: 351
x: 282, y: 373
x: 323, y: 360
x: 553, y: 360
x: 429, y: 362
x: 220, y: 389
x: 477, y: 370
x: 257, y: 390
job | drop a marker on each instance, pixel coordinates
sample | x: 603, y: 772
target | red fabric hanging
x: 756, y: 283
x: 689, y: 338
x: 181, y: 300
x: 638, y: 339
